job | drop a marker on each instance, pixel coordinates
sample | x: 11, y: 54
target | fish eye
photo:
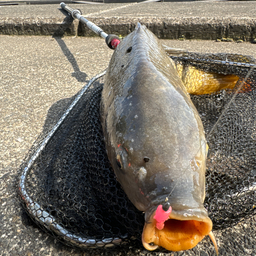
x: 118, y: 164
x: 118, y: 161
x: 129, y: 49
x: 146, y: 159
x: 122, y: 158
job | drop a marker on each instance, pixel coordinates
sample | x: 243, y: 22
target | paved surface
x: 197, y: 20
x: 39, y: 74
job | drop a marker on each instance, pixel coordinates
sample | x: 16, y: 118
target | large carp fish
x: 156, y: 143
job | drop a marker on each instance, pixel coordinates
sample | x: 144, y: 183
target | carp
x: 156, y: 143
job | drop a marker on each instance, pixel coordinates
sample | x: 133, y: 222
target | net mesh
x: 68, y: 186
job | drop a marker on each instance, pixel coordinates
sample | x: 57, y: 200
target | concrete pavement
x: 173, y: 20
x: 39, y: 74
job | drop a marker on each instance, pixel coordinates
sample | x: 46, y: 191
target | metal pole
x: 76, y: 14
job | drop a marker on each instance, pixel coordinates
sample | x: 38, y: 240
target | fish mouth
x: 178, y: 233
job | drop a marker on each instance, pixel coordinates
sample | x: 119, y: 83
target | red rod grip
x: 114, y: 43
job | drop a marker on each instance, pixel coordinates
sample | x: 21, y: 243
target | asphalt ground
x: 38, y: 76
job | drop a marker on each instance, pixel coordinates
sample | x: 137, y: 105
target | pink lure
x: 161, y: 216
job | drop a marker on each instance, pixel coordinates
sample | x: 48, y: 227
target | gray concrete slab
x: 192, y: 20
x: 36, y: 72
x: 52, y: 10
x: 205, y: 46
x: 193, y: 9
x: 172, y: 20
x: 39, y: 75
x: 44, y: 19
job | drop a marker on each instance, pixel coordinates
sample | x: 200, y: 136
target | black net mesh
x: 73, y: 181
x: 68, y: 187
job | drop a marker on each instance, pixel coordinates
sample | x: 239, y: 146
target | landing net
x: 69, y: 189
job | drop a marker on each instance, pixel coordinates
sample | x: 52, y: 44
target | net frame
x: 44, y: 218
x: 48, y: 222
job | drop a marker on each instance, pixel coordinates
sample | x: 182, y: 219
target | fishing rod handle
x: 111, y: 40
x: 76, y: 14
x: 66, y: 8
x: 93, y: 27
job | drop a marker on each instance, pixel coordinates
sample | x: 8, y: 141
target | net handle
x: 111, y: 40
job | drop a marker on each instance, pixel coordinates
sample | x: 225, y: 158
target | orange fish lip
x: 179, y: 232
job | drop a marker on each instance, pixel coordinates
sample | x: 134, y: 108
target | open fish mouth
x: 177, y: 234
